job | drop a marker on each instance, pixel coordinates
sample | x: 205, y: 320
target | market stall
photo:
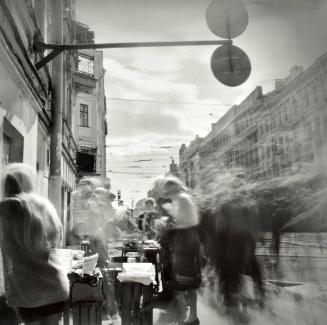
x: 130, y: 279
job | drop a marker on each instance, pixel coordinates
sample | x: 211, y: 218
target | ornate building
x: 90, y: 107
x: 270, y: 135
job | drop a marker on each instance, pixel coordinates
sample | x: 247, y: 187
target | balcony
x: 83, y: 80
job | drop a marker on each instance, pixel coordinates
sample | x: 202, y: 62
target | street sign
x: 230, y: 65
x: 227, y: 18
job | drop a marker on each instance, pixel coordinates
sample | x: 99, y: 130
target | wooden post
x: 126, y: 314
x: 137, y: 293
x: 137, y: 307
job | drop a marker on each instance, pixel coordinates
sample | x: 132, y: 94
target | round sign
x: 227, y: 18
x: 230, y: 65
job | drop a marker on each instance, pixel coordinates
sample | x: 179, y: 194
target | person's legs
x: 7, y: 314
x: 181, y: 306
x: 192, y: 302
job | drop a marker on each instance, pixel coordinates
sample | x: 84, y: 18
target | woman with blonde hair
x: 35, y: 283
x: 185, y: 245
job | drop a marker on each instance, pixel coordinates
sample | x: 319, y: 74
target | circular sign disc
x: 230, y: 65
x: 227, y: 18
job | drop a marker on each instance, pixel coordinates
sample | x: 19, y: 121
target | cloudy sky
x: 159, y: 98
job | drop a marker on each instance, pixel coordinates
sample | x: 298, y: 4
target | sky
x: 159, y: 98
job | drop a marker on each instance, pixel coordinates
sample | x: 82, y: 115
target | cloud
x: 142, y: 82
x: 128, y: 121
x: 144, y: 20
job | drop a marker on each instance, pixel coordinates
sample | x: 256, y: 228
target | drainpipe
x: 57, y: 108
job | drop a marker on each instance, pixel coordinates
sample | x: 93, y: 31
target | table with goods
x: 132, y: 276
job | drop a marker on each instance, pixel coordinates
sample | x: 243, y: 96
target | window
x: 86, y: 162
x: 13, y: 143
x: 6, y: 149
x: 286, y: 112
x: 84, y: 115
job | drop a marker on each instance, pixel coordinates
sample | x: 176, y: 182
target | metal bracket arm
x: 47, y: 58
x: 58, y: 48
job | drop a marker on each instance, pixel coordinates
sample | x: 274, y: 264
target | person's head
x: 172, y: 186
x: 86, y: 186
x: 157, y: 188
x: 101, y: 196
x: 18, y: 178
x: 112, y: 197
x: 149, y: 204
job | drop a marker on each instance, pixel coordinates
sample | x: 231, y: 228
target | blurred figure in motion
x: 101, y: 203
x: 164, y: 224
x: 146, y: 220
x: 93, y: 217
x: 227, y: 231
x: 96, y: 224
x: 184, y: 247
x: 35, y: 282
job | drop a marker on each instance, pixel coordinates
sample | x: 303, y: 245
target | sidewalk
x: 286, y: 304
x: 293, y: 305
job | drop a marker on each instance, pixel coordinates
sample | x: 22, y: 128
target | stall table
x: 134, y: 297
x: 136, y: 307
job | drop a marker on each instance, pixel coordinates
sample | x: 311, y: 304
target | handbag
x: 86, y: 288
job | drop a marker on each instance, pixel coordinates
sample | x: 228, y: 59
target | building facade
x: 293, y: 129
x: 90, y: 106
x: 189, y: 162
x: 54, y: 117
x: 173, y: 168
x: 271, y: 135
x: 25, y: 93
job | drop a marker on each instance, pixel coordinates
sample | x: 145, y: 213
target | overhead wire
x: 165, y: 102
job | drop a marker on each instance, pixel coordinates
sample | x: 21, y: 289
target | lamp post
x: 55, y: 183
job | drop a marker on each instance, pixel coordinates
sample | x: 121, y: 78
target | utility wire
x: 165, y: 102
x: 131, y: 173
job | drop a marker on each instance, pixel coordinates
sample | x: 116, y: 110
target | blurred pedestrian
x: 101, y: 229
x: 185, y: 246
x: 146, y: 219
x: 35, y: 282
x: 80, y: 209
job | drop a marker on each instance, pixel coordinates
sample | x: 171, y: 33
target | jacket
x: 32, y: 279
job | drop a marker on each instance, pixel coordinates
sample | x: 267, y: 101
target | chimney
x: 294, y: 72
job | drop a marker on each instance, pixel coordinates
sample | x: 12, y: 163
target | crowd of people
x: 35, y: 287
